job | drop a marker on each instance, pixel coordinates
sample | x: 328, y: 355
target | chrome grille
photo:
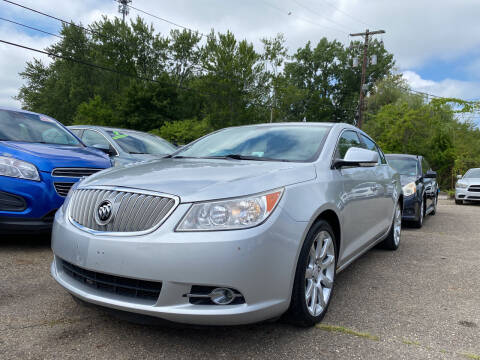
x: 74, y: 172
x: 62, y: 188
x: 133, y: 211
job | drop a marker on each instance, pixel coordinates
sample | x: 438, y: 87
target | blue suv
x: 40, y: 160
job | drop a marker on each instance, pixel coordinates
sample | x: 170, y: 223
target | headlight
x: 409, y: 189
x: 18, y: 169
x: 461, y: 185
x: 230, y: 214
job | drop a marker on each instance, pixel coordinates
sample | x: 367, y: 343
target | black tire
x: 298, y: 313
x: 421, y: 216
x: 458, y: 202
x: 389, y: 243
x: 435, y: 203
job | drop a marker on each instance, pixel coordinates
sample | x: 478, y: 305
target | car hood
x: 406, y: 179
x: 470, y: 181
x: 46, y: 157
x: 204, y: 179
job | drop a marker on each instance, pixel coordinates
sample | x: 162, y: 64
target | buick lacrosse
x: 243, y: 225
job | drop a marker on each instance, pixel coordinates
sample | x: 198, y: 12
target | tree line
x: 182, y: 85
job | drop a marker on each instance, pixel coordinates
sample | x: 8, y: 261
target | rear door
x: 358, y: 201
x: 383, y: 178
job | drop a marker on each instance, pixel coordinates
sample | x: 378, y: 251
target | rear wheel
x: 314, y: 277
x: 392, y: 242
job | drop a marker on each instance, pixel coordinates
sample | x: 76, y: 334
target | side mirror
x: 459, y: 177
x: 357, y: 157
x: 430, y: 174
x: 109, y: 150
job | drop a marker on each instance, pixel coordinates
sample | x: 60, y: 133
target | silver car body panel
x: 259, y: 262
x: 471, y: 192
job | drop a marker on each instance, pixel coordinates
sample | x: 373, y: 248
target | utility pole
x: 366, y: 35
x: 123, y: 8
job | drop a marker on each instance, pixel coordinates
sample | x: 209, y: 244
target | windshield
x: 472, y: 173
x: 19, y: 126
x: 404, y: 166
x: 141, y: 143
x: 275, y: 143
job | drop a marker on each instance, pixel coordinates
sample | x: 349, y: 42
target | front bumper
x: 464, y: 194
x: 411, y: 208
x: 259, y: 263
x: 41, y: 201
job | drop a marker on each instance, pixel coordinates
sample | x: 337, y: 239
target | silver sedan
x: 243, y: 225
x: 467, y: 187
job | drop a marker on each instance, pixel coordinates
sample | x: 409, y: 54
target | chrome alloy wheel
x: 397, y: 225
x: 320, y: 273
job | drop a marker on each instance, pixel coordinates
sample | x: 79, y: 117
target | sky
x: 435, y: 42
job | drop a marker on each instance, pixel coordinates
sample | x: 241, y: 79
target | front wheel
x: 419, y: 223
x: 392, y: 242
x: 458, y: 202
x: 314, y: 277
x: 435, y: 203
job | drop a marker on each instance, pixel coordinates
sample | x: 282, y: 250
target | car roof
x: 6, y: 108
x: 104, y: 128
x: 277, y: 124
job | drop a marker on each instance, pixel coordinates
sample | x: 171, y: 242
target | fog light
x: 222, y: 296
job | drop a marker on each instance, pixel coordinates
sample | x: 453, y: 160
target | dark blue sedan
x: 419, y: 185
x: 40, y: 160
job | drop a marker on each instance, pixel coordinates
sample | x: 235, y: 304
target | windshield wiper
x: 245, y: 157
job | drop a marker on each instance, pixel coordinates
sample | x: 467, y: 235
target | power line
x: 31, y: 27
x: 162, y: 19
x: 289, y: 13
x: 319, y: 15
x: 86, y: 63
x: 345, y: 13
x: 52, y: 17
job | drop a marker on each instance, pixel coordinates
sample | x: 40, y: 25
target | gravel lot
x: 421, y: 302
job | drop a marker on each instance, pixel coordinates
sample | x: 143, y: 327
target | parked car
x: 124, y: 146
x: 240, y: 226
x: 39, y: 161
x: 468, y: 187
x: 419, y: 184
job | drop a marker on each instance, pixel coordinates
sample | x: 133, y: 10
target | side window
x: 347, y: 140
x: 370, y: 145
x: 91, y: 138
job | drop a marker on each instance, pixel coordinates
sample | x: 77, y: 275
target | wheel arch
x: 330, y: 216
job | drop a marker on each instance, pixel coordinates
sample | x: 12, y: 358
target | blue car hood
x: 46, y: 157
x: 204, y: 179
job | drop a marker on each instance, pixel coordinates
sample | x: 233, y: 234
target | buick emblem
x: 104, y: 212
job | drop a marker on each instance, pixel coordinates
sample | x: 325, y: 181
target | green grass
x: 471, y: 356
x: 410, y: 342
x: 344, y: 330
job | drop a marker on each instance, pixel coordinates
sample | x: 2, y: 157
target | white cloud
x: 445, y: 88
